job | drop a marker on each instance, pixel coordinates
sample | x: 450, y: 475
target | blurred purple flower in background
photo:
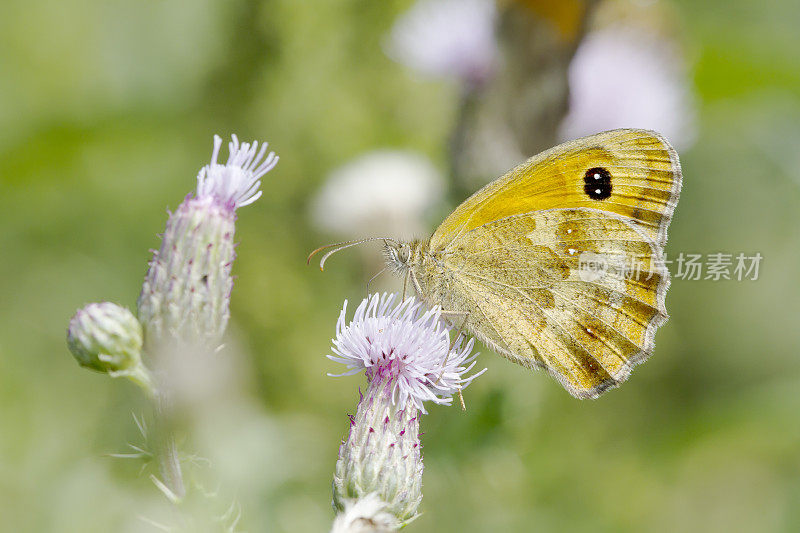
x: 447, y: 39
x: 622, y: 77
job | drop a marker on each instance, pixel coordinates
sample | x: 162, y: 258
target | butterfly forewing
x: 632, y: 173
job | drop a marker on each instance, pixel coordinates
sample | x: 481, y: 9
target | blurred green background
x: 107, y: 110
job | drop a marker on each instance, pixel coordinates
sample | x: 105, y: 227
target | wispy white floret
x: 364, y: 515
x: 408, y: 347
x: 236, y: 183
x: 447, y: 38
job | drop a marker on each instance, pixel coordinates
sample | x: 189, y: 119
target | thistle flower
x: 183, y: 307
x: 406, y: 354
x: 107, y: 338
x: 404, y: 347
x: 186, y: 292
x: 447, y: 38
x: 185, y: 298
x: 385, y: 192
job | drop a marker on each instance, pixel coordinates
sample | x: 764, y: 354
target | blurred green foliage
x: 107, y: 112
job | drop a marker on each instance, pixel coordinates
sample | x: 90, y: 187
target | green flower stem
x: 141, y: 376
x: 169, y: 465
x: 166, y: 450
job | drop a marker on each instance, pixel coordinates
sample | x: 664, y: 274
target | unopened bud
x: 105, y: 337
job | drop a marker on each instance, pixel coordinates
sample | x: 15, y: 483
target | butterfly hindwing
x: 577, y: 291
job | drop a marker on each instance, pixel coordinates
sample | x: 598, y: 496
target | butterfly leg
x: 458, y: 334
x: 373, y: 279
x: 464, y: 314
x: 443, y: 313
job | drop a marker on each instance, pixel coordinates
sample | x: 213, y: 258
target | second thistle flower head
x: 405, y: 346
x: 186, y: 293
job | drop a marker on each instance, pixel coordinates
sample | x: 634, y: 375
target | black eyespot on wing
x: 597, y: 183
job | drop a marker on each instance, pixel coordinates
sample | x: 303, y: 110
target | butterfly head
x: 397, y: 255
x: 400, y: 256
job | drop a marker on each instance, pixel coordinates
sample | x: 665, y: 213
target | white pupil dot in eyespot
x: 597, y: 191
x: 596, y: 176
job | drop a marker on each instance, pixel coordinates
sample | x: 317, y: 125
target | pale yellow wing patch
x: 641, y: 169
x: 520, y: 282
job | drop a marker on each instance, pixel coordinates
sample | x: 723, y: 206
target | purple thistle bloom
x: 406, y: 354
x: 183, y: 308
x: 406, y: 347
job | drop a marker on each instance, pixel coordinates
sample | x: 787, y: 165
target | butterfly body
x: 512, y: 259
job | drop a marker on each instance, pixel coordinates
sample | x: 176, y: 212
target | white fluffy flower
x: 447, y: 38
x: 405, y: 346
x: 624, y: 78
x: 237, y: 182
x: 384, y: 193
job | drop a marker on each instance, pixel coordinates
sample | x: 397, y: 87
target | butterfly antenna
x: 339, y: 246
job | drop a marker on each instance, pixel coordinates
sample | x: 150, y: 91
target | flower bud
x: 105, y: 337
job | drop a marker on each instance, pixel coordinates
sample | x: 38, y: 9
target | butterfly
x: 558, y: 264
